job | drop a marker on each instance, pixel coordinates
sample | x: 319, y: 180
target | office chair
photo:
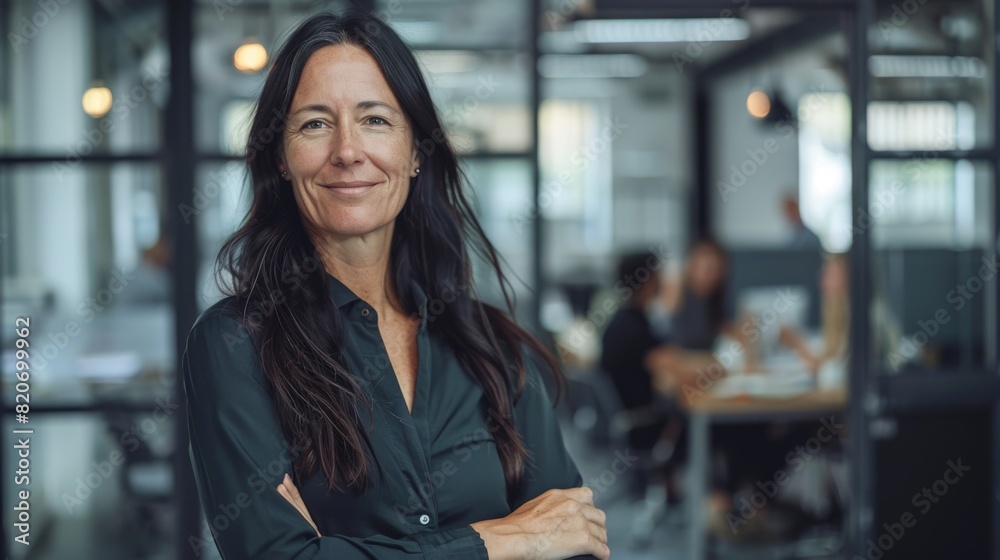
x: 146, y: 479
x: 597, y: 413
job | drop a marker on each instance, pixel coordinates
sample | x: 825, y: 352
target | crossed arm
x: 236, y: 438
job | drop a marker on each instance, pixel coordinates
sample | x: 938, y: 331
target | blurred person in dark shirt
x: 629, y: 336
x: 626, y: 345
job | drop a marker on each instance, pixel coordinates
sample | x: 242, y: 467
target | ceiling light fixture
x: 694, y: 30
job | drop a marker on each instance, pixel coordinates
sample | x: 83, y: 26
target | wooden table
x: 706, y: 409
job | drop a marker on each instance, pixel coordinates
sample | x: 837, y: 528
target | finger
x: 287, y: 496
x: 583, y: 494
x: 297, y: 503
x: 292, y: 489
x: 601, y: 551
x: 598, y: 532
x: 594, y: 515
x: 595, y: 547
x: 291, y: 493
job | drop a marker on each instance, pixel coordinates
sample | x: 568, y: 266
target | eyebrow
x: 318, y: 107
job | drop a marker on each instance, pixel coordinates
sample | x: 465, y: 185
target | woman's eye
x: 377, y: 121
x: 313, y: 124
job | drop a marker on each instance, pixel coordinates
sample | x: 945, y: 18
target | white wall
x: 754, y: 164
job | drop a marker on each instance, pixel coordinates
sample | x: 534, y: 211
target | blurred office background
x: 589, y: 129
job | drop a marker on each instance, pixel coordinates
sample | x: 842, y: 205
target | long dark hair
x: 715, y: 302
x: 273, y: 269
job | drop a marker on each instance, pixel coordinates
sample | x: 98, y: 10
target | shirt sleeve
x: 549, y: 464
x: 239, y: 456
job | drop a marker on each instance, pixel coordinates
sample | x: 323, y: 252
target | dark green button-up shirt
x: 442, y: 468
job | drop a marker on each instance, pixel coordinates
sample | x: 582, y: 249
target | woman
x: 699, y: 312
x: 699, y: 308
x: 829, y: 360
x: 351, y: 352
x: 836, y: 307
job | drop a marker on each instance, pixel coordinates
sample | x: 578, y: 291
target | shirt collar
x: 343, y: 296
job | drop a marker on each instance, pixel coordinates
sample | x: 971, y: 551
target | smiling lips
x: 350, y: 187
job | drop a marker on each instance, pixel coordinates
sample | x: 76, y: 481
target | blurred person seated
x: 829, y: 357
x: 628, y: 340
x: 700, y: 312
x: 832, y: 350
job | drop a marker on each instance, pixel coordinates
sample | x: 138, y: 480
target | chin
x: 354, y: 223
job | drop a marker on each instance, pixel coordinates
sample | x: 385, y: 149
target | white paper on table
x: 782, y: 384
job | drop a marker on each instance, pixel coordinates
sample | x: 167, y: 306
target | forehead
x: 342, y: 71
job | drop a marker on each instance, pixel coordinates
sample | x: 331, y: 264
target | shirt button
x: 364, y: 312
x: 425, y: 519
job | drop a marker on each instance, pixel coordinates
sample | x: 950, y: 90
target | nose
x: 346, y: 149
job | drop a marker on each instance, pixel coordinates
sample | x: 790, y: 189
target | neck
x: 362, y: 263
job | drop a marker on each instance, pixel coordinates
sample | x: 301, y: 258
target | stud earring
x: 417, y: 171
x: 284, y: 174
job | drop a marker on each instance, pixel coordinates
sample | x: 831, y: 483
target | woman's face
x: 705, y: 270
x: 347, y: 148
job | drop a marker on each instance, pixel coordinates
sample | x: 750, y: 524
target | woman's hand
x: 291, y: 493
x: 789, y: 337
x: 556, y: 525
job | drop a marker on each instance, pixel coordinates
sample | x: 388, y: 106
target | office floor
x: 669, y: 541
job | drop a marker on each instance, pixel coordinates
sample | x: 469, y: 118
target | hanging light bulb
x: 97, y: 101
x: 758, y: 104
x: 250, y: 57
